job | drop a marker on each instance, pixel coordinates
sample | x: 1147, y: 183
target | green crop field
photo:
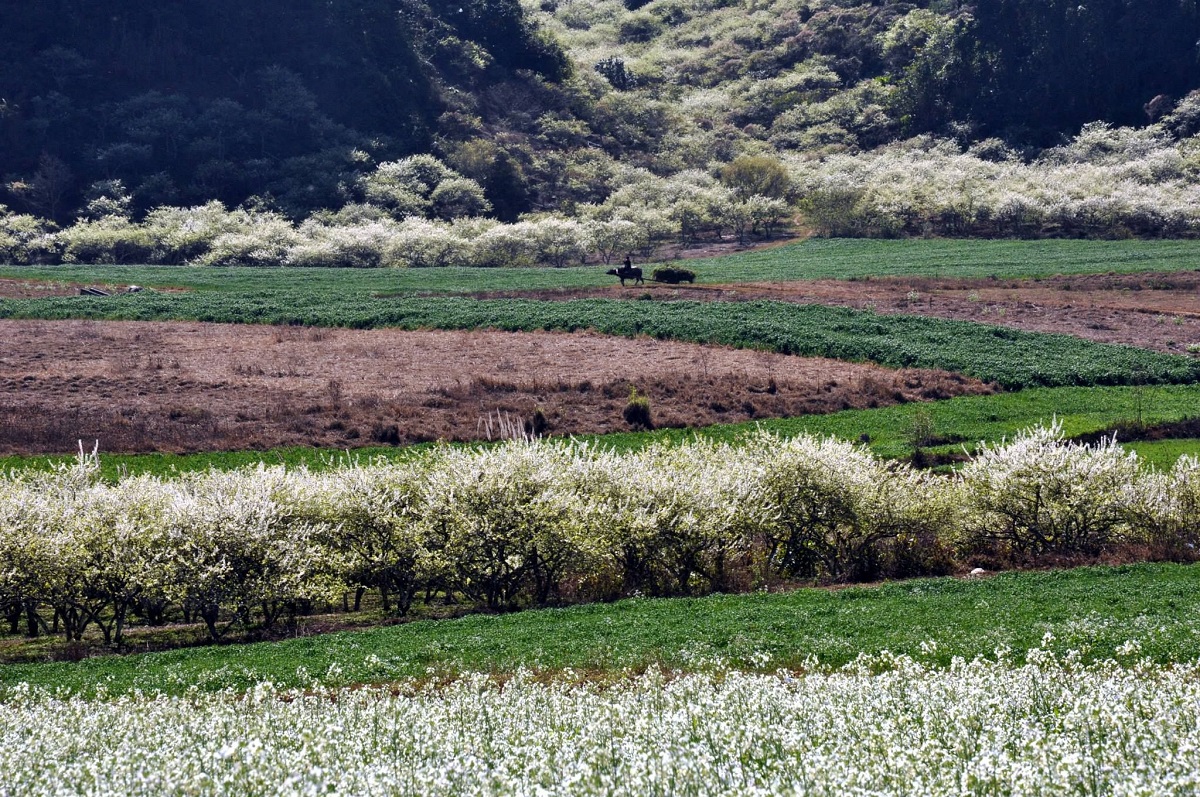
x: 1092, y: 610
x: 806, y: 260
x: 1163, y: 454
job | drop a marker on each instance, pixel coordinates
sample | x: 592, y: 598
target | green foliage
x: 1053, y: 65
x: 250, y: 98
x: 673, y: 275
x: 761, y: 175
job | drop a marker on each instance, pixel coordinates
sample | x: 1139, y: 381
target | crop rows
x: 1012, y: 358
x: 536, y: 523
x: 1049, y: 727
x: 811, y: 259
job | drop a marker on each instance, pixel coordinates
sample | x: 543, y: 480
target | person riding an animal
x: 626, y: 272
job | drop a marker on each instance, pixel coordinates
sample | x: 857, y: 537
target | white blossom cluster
x: 533, y: 522
x: 390, y: 227
x: 1106, y: 182
x: 1049, y: 727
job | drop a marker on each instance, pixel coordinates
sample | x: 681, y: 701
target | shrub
x: 674, y: 276
x: 25, y: 238
x: 637, y: 411
x: 1163, y: 510
x: 830, y: 505
x: 110, y: 240
x: 1039, y: 494
x: 639, y: 26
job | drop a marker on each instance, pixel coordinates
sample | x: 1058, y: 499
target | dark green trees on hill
x: 188, y: 101
x: 1034, y: 70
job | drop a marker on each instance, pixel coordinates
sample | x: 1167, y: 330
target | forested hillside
x: 223, y: 99
x: 399, y: 132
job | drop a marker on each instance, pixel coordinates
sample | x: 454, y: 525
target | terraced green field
x: 811, y: 259
x: 409, y: 298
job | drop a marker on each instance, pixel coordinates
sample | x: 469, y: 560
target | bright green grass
x: 1012, y: 358
x: 1163, y: 454
x: 1092, y: 610
x: 970, y: 419
x: 811, y: 259
x: 855, y: 259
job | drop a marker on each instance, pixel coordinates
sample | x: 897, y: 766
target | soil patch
x: 1152, y: 311
x: 181, y: 387
x: 40, y: 289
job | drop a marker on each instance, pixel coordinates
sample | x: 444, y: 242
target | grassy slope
x: 970, y: 419
x: 1093, y: 610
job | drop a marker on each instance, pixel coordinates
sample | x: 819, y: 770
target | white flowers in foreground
x: 1045, y: 728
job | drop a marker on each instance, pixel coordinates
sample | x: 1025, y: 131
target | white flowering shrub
x: 25, y: 239
x: 108, y: 240
x: 501, y: 521
x: 610, y: 239
x: 364, y: 245
x: 1106, y: 182
x: 261, y: 238
x: 422, y: 185
x: 557, y: 241
x: 1163, y: 510
x: 1040, y: 494
x: 372, y: 523
x: 671, y: 518
x: 185, y: 235
x: 420, y: 243
x: 239, y: 546
x: 505, y: 245
x: 830, y: 505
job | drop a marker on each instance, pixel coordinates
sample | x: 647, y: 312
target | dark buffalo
x: 634, y: 273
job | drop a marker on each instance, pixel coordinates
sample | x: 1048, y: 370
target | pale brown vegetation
x: 147, y: 386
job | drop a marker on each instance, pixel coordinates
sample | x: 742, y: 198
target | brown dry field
x: 150, y: 386
x: 199, y: 387
x: 1152, y: 311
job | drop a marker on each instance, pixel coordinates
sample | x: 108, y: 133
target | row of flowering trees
x: 535, y: 523
x: 1106, y: 182
x: 390, y: 225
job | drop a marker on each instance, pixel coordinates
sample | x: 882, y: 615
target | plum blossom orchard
x: 535, y: 523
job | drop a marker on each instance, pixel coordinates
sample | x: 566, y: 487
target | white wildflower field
x: 886, y: 725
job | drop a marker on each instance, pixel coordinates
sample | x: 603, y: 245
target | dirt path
x: 189, y: 387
